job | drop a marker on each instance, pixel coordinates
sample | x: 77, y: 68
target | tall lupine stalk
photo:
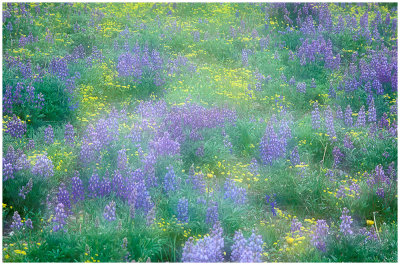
x: 59, y: 218
x: 23, y: 192
x: 63, y: 197
x: 109, y: 212
x: 69, y: 134
x: 208, y: 249
x: 315, y: 117
x: 371, y: 112
x: 319, y: 236
x: 348, y: 118
x: 77, y: 188
x: 182, y: 210
x: 346, y: 222
x: 246, y: 250
x: 330, y: 127
x: 237, y: 194
x: 49, y: 135
x: 361, y: 117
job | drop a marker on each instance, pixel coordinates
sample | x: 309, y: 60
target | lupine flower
x: 182, y: 210
x: 329, y: 123
x: 320, y: 233
x: 272, y: 203
x: 63, y: 197
x: 122, y: 160
x: 371, y: 112
x: 43, y: 167
x: 109, y: 212
x: 170, y: 181
x: 49, y: 135
x: 94, y: 185
x: 212, y: 213
x: 295, y: 157
x: 348, y: 119
x: 246, y: 250
x: 8, y: 170
x: 26, y: 189
x: 77, y: 188
x: 315, y: 117
x: 337, y: 156
x: 346, y: 222
x: 295, y: 227
x: 339, y: 113
x: 124, y: 243
x: 292, y: 81
x: 59, y: 219
x: 301, y: 87
x: 69, y: 134
x: 196, y: 180
x: 361, y: 117
x: 16, y: 128
x: 370, y: 234
x: 29, y: 224
x: 17, y: 222
x: 347, y: 142
x: 236, y: 194
x: 208, y: 249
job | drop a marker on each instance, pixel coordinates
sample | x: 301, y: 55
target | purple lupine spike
x: 26, y: 189
x: 315, y: 117
x: 249, y: 250
x: 196, y: 180
x: 170, y: 180
x: 208, y: 249
x: 361, y: 117
x: 43, y: 167
x: 339, y: 113
x: 295, y: 157
x: 109, y: 212
x: 337, y: 156
x: 347, y: 142
x: 182, y: 210
x: 59, y: 219
x: 16, y: 128
x: 212, y: 213
x: 329, y: 124
x: 17, y: 222
x: 69, y: 134
x: 346, y: 222
x: 63, y: 197
x: 29, y: 224
x: 94, y: 185
x: 77, y: 188
x: 320, y: 233
x: 49, y: 135
x: 8, y: 170
x: 118, y: 184
x: 301, y: 87
x: 348, y: 119
x: 236, y: 194
x: 151, y: 216
x: 122, y: 160
x: 295, y: 227
x: 371, y: 112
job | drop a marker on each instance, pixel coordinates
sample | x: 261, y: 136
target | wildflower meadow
x: 199, y: 132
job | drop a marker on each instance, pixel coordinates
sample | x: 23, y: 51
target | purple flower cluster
x: 208, y: 249
x: 196, y: 180
x: 346, y: 222
x: 320, y: 233
x: 246, y: 250
x: 60, y: 218
x: 63, y: 197
x: 69, y: 134
x: 165, y: 146
x: 49, y: 135
x: 26, y: 189
x: 170, y: 183
x: 272, y: 145
x: 77, y: 188
x: 212, y: 213
x: 183, y: 210
x: 16, y: 128
x: 236, y: 194
x: 330, y: 127
x: 315, y: 117
x: 109, y: 212
x: 43, y: 167
x: 17, y: 222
